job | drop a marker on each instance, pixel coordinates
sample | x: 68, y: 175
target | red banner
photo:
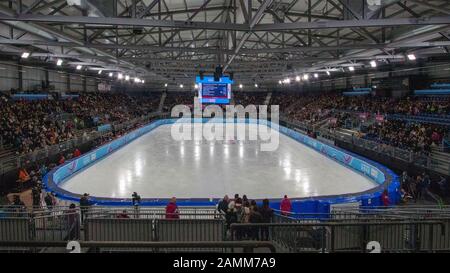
x: 379, y: 118
x: 363, y: 115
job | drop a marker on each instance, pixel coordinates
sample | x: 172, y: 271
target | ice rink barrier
x: 384, y: 177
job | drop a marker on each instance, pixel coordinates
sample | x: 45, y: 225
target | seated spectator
x: 76, y: 153
x: 61, y: 160
x: 23, y: 175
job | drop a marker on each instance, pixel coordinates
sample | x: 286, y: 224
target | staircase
x: 6, y: 152
x: 268, y: 98
x: 161, y: 102
x: 440, y: 161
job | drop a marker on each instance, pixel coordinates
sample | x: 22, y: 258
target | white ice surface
x: 156, y: 166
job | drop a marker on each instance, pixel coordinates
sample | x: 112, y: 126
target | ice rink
x: 156, y: 166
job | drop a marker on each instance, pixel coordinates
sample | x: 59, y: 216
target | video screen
x: 214, y: 92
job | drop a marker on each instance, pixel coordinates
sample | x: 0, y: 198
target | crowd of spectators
x: 245, y: 211
x: 178, y: 98
x: 249, y: 98
x: 409, y: 136
x: 421, y: 187
x: 339, y: 110
x: 30, y: 125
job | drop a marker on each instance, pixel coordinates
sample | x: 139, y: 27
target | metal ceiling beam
x: 354, y: 23
x: 212, y: 50
x: 120, y: 21
x: 430, y: 6
x: 32, y: 6
x: 255, y: 19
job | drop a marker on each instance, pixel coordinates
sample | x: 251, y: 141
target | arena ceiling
x: 259, y: 40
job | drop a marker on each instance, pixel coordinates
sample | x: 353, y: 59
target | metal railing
x: 348, y: 229
x: 101, y: 246
x: 392, y: 236
x: 106, y: 224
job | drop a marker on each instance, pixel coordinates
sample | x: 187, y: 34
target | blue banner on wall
x: 104, y: 128
x: 31, y: 97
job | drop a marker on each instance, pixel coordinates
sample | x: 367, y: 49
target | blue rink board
x: 384, y: 177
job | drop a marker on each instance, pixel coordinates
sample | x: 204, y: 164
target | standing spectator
x: 232, y: 203
x: 266, y: 217
x: 405, y: 178
x: 36, y: 195
x: 48, y: 200
x: 73, y: 225
x: 84, y: 206
x: 230, y: 216
x: 443, y: 186
x: 285, y: 206
x: 172, y: 211
x: 54, y: 200
x: 244, y: 199
x: 222, y: 207
x: 255, y: 218
x: 426, y: 184
x: 419, y: 187
x: 239, y: 211
x: 136, y: 199
x: 245, y: 218
x: 385, y: 198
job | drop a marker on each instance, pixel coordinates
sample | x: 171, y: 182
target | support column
x: 84, y: 82
x: 20, y: 77
x: 47, y: 79
x: 68, y: 83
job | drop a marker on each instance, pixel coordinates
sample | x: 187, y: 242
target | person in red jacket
x: 285, y: 206
x: 62, y: 159
x: 172, y: 209
x: 76, y: 153
x: 385, y: 198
